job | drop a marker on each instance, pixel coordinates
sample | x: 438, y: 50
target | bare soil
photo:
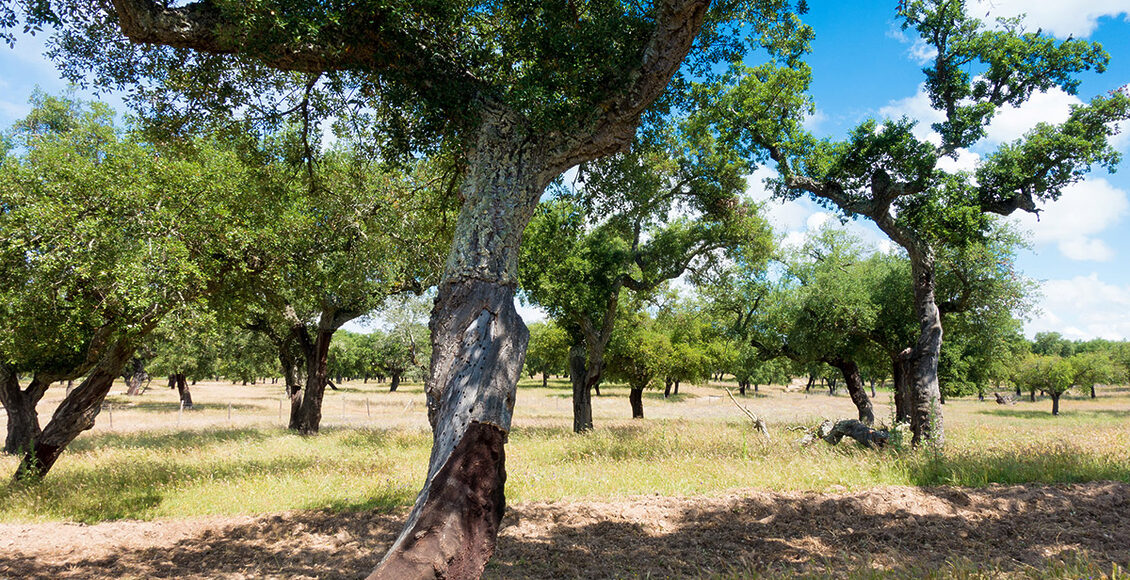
x: 907, y: 530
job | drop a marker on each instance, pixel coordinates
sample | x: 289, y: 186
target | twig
x: 757, y: 421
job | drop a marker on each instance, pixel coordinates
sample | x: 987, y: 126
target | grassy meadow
x: 231, y: 455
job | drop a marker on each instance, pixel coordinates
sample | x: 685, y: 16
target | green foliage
x: 548, y: 349
x: 102, y: 233
x: 1053, y: 375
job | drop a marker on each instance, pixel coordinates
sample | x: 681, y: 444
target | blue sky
x: 863, y: 65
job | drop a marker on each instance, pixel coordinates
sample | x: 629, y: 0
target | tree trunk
x: 900, y: 372
x: 478, y: 348
x: 635, y: 396
x: 850, y: 370
x: 676, y: 386
x: 872, y: 388
x: 742, y: 387
x: 183, y: 391
x: 667, y: 388
x: 317, y: 358
x: 23, y: 420
x: 811, y: 381
x: 1055, y: 403
x: 75, y: 414
x: 394, y: 383
x: 755, y: 389
x: 1092, y: 391
x: 926, y: 414
x: 135, y: 377
x: 544, y: 380
x: 582, y: 395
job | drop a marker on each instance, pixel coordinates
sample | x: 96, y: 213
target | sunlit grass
x: 696, y: 444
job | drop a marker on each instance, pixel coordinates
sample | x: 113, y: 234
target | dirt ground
x: 904, y: 529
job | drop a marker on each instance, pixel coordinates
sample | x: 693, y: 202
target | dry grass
x: 374, y: 446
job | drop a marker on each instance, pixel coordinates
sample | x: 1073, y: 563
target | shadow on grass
x: 132, y: 404
x: 170, y: 440
x: 1046, y: 414
x: 1012, y: 531
x: 1050, y: 464
x: 129, y: 488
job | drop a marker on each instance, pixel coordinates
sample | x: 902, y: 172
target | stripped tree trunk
x: 478, y: 347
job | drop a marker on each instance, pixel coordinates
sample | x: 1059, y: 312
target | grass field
x: 231, y: 455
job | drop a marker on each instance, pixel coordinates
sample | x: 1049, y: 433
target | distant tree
x: 548, y: 350
x: 636, y: 220
x: 1092, y: 368
x: 640, y: 354
x: 1052, y: 344
x: 885, y: 172
x: 1051, y: 374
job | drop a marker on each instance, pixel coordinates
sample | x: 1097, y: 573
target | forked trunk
x: 394, y: 383
x: 635, y: 396
x: 742, y: 387
x: 183, y: 391
x: 582, y: 395
x: 317, y: 359
x: 74, y: 415
x: 478, y: 348
x: 850, y: 370
x: 23, y: 420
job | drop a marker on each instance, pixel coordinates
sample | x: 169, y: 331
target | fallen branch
x: 758, y: 422
x: 832, y: 433
x: 1005, y: 400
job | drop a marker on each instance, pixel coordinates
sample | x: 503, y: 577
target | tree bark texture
x: 75, y: 414
x: 394, y: 383
x: 23, y: 420
x: 478, y: 348
x: 925, y: 413
x: 854, y: 383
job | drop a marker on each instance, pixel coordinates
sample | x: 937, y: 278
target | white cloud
x: 1059, y: 17
x: 916, y: 107
x: 1084, y: 210
x: 817, y: 220
x: 966, y: 161
x: 1010, y: 123
x: 1084, y: 307
x: 813, y: 122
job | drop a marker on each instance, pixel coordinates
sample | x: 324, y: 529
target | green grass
x: 696, y: 443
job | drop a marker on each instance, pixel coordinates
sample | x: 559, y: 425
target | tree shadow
x: 168, y: 440
x: 899, y: 531
x: 887, y: 532
x: 1046, y: 414
x: 132, y: 404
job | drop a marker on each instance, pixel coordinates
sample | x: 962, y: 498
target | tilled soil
x: 905, y: 529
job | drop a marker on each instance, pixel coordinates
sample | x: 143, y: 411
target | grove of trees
x: 290, y: 167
